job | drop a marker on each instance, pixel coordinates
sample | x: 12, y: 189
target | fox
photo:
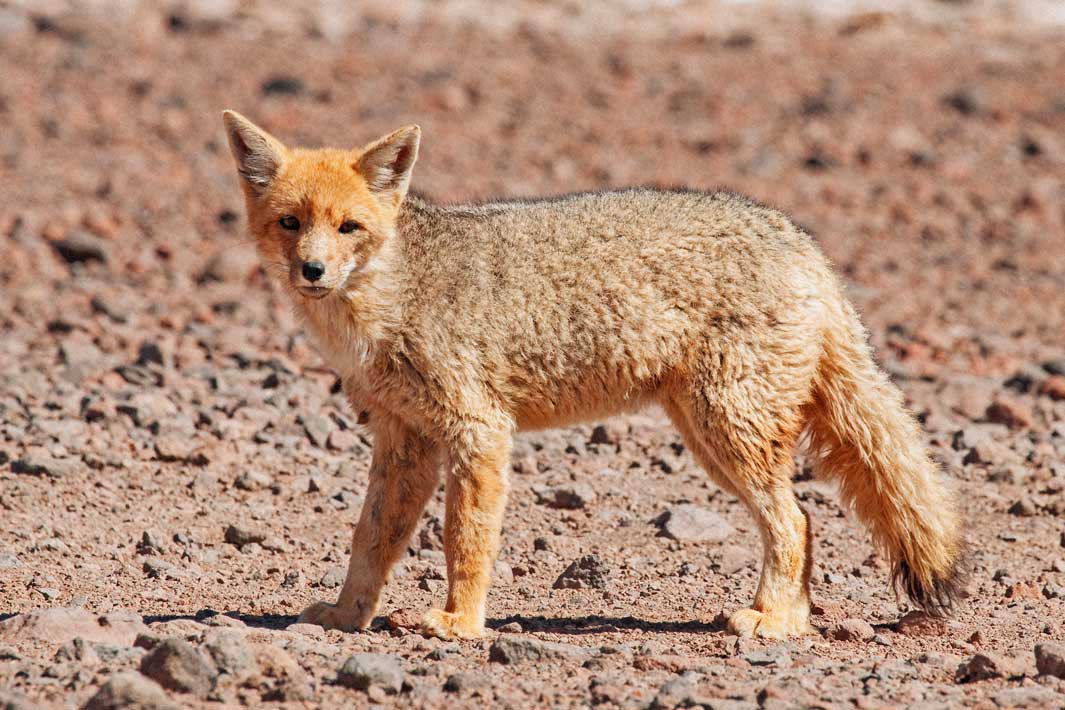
x: 453, y: 326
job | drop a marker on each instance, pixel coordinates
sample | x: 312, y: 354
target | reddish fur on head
x: 321, y: 190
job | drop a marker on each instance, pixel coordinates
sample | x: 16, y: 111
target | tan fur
x: 455, y: 326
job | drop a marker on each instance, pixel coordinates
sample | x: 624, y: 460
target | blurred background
x: 153, y: 381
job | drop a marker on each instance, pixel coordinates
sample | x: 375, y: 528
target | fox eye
x: 290, y: 223
x: 348, y: 226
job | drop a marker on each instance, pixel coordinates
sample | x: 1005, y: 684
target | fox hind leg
x: 751, y: 455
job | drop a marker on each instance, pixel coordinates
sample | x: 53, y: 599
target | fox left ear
x: 386, y: 163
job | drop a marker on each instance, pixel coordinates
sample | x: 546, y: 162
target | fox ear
x: 386, y: 163
x: 258, y: 154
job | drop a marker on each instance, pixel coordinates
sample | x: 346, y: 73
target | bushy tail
x: 862, y: 436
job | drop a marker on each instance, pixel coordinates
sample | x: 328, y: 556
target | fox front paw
x: 330, y: 616
x: 751, y: 623
x: 449, y: 625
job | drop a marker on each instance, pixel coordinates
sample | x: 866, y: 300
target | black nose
x: 313, y: 270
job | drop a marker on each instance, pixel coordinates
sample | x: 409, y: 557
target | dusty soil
x: 155, y: 390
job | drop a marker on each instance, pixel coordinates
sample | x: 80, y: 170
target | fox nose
x: 313, y: 270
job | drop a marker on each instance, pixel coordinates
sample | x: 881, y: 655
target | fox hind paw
x: 330, y: 616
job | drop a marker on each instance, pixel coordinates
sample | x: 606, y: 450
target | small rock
x: 241, y: 536
x: 776, y: 655
x: 150, y: 544
x: 342, y: 440
x: 985, y: 666
x: 512, y: 627
x: 46, y: 466
x: 79, y: 247
x: 1013, y: 414
x: 334, y: 577
x: 175, y: 447
x: 463, y: 682
x: 1025, y: 508
x: 852, y: 630
x: 404, y: 619
x: 318, y: 428
x: 575, y: 497
x: 176, y: 665
x: 519, y: 649
x: 364, y: 671
x: 690, y: 523
x: 254, y: 481
x: 1053, y: 387
x: 9, y: 560
x: 130, y: 690
x: 158, y: 568
x: 1050, y: 659
x: 282, y: 84
x: 231, y: 653
x: 919, y: 623
x: 588, y: 572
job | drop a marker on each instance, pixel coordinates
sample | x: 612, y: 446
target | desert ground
x: 179, y: 473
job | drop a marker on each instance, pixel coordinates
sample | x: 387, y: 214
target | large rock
x: 60, y: 624
x: 130, y: 691
x: 690, y: 523
x: 1050, y: 659
x: 363, y: 671
x: 519, y: 649
x: 177, y: 665
x: 231, y: 653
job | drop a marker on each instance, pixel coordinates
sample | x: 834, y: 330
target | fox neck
x: 362, y: 318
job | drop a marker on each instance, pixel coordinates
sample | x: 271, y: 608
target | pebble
x: 1025, y: 508
x: 47, y: 466
x: 465, y: 682
x: 241, y: 536
x: 254, y: 481
x: 574, y: 497
x: 918, y: 623
x: 852, y: 630
x: 130, y: 690
x: 177, y: 665
x: 690, y: 523
x: 364, y: 671
x: 333, y: 577
x: 519, y: 649
x: 587, y: 572
x: 1013, y: 414
x: 79, y: 247
x: 9, y: 560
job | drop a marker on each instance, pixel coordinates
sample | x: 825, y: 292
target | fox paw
x: 330, y: 616
x: 449, y: 625
x: 751, y: 623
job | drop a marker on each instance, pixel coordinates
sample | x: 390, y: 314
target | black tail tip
x: 936, y: 597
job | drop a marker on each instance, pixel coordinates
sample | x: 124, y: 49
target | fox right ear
x: 258, y: 154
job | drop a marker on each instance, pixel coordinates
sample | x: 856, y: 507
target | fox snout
x: 316, y: 274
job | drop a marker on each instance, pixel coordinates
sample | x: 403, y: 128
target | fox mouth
x: 315, y: 292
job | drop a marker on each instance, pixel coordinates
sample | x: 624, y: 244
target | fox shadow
x: 594, y: 624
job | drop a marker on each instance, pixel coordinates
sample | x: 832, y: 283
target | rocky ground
x: 178, y: 474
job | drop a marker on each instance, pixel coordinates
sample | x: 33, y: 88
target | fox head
x: 320, y: 216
